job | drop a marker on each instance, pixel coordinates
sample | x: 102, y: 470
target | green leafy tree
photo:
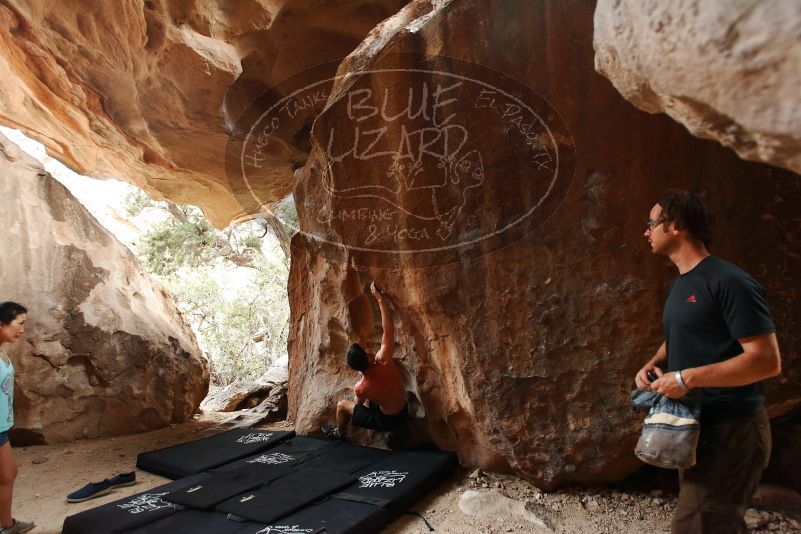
x: 187, y: 239
x: 231, y: 283
x: 136, y: 201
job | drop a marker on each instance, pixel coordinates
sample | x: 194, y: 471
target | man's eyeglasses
x: 651, y: 224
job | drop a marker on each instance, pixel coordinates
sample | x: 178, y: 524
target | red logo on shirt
x: 691, y: 298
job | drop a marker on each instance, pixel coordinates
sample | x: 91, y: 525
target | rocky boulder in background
x: 246, y: 394
x: 106, y: 350
x: 260, y: 410
x: 728, y: 71
x: 236, y: 396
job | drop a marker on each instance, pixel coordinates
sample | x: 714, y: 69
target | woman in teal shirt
x: 12, y: 326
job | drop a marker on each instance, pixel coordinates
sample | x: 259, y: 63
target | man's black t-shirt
x: 707, y: 310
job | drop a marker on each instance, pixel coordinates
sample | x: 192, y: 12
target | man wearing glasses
x: 719, y: 339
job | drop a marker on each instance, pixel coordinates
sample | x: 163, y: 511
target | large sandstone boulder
x: 728, y: 71
x: 519, y: 343
x: 150, y: 91
x: 106, y: 350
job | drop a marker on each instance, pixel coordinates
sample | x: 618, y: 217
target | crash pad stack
x: 260, y: 482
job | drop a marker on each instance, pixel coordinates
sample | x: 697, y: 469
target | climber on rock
x: 380, y: 402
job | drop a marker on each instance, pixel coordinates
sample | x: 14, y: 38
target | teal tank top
x: 6, y: 393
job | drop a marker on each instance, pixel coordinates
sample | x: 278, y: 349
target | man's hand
x: 642, y: 380
x: 668, y: 386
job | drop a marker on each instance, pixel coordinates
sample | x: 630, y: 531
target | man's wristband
x: 681, y: 383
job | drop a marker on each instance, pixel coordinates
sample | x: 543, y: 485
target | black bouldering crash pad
x: 203, y: 454
x: 300, y: 485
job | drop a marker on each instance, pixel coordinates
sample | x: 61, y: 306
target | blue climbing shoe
x: 123, y: 479
x: 90, y: 491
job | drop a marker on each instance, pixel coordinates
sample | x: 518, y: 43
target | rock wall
x: 728, y: 71
x: 106, y: 351
x: 523, y: 353
x: 150, y: 91
x: 523, y: 308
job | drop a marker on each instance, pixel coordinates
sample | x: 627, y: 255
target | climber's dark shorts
x: 375, y: 419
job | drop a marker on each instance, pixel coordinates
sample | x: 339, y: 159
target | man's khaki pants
x: 716, y: 491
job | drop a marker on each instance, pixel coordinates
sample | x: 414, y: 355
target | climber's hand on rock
x: 375, y: 291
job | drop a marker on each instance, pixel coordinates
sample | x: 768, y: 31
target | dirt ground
x: 49, y: 472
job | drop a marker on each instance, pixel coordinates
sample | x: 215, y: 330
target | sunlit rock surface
x: 106, y: 350
x: 728, y: 71
x: 149, y: 92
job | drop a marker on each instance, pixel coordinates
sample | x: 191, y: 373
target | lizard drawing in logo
x: 432, y: 189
